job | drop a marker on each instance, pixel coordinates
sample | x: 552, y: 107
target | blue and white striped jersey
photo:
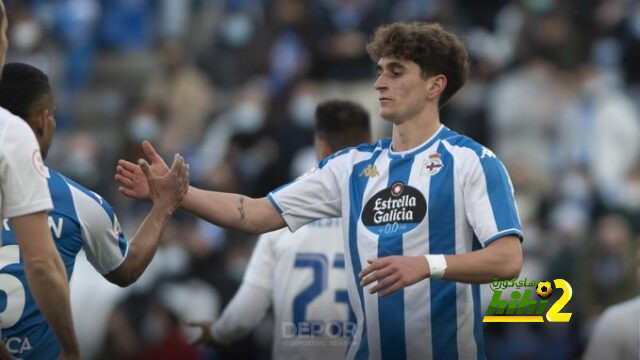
x: 80, y: 219
x: 449, y: 195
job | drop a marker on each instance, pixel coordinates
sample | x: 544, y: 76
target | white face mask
x: 25, y: 35
x: 237, y: 30
x: 143, y: 127
x: 247, y: 117
x: 302, y: 109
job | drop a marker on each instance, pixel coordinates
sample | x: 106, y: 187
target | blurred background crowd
x: 232, y: 85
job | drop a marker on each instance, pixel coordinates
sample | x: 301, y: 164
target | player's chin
x: 388, y: 115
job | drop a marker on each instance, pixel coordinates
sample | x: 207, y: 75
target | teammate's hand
x: 168, y: 190
x: 131, y: 179
x: 206, y: 338
x: 394, y: 273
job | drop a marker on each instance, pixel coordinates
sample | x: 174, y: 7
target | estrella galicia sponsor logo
x: 398, y: 208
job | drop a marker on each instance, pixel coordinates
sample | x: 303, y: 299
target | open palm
x: 131, y: 179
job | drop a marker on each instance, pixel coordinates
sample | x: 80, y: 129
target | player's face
x: 402, y: 90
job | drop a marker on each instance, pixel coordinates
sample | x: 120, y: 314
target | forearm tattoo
x: 241, y: 208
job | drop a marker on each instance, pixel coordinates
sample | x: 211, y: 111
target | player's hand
x: 206, y: 338
x: 167, y: 190
x: 131, y: 179
x: 393, y: 273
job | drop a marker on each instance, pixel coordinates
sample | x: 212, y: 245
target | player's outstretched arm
x: 238, y: 212
x: 166, y: 192
x: 502, y: 259
x: 47, y: 278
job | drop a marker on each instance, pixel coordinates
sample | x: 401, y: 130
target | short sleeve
x: 489, y: 200
x: 103, y: 241
x: 314, y: 195
x: 23, y: 179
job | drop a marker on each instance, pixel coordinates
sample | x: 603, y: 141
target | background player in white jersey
x: 25, y: 199
x: 425, y: 204
x: 616, y: 334
x: 80, y: 219
x: 302, y: 273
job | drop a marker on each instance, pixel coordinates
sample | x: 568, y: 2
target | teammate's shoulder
x: 83, y: 191
x: 354, y: 151
x: 6, y: 115
x: 465, y: 142
x: 15, y: 126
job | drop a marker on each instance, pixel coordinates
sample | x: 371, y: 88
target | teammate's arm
x: 234, y: 211
x: 242, y: 315
x: 166, y: 193
x: 47, y: 277
x: 502, y: 259
x: 250, y: 302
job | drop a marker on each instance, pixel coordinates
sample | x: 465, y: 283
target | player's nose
x: 380, y: 83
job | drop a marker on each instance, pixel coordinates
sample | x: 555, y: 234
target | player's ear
x: 39, y: 122
x: 435, y: 86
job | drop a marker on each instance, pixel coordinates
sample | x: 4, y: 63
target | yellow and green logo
x: 522, y: 307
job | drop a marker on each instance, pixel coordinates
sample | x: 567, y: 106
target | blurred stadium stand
x: 232, y: 85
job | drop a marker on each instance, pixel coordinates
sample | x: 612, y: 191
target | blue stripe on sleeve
x: 442, y: 235
x: 504, y: 233
x: 500, y: 194
x: 274, y: 203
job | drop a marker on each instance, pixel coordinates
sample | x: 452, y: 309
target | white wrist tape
x: 437, y: 265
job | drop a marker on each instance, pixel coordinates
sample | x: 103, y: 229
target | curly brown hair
x: 435, y: 50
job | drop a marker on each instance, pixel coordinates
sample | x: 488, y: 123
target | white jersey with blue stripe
x: 80, y: 219
x: 305, y: 273
x: 449, y: 195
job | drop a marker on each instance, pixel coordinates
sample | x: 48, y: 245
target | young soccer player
x: 301, y: 274
x: 427, y: 215
x: 25, y: 199
x: 80, y: 219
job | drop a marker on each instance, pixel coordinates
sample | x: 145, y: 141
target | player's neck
x: 413, y: 132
